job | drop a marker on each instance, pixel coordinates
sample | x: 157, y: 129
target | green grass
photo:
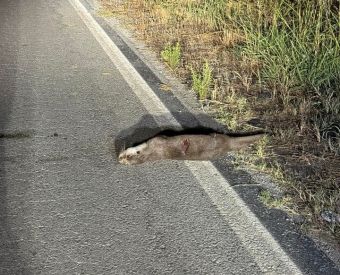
x: 297, y: 45
x: 172, y: 55
x: 238, y: 111
x: 201, y: 81
x: 210, y: 12
x: 295, y: 53
x: 105, y: 12
x: 270, y: 201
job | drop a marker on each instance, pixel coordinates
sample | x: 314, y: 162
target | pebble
x: 330, y: 216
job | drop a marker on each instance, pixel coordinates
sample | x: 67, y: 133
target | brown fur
x: 185, y: 147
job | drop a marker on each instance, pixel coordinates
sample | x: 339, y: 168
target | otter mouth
x: 124, y: 161
x: 123, y: 158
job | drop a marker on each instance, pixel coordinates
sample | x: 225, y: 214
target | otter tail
x: 237, y: 143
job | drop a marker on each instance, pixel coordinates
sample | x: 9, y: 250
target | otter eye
x: 138, y: 152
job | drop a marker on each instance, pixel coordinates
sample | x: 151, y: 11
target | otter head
x: 133, y: 155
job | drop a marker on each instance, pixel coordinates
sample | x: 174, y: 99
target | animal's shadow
x: 147, y: 128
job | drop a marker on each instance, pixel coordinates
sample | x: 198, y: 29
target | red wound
x: 185, y: 145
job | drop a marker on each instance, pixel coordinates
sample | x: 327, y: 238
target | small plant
x: 268, y: 200
x: 260, y: 147
x: 172, y: 55
x: 201, y: 82
x: 105, y: 12
x: 238, y: 110
x: 228, y: 119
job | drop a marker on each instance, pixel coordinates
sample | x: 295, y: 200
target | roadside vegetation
x: 172, y: 55
x: 270, y: 64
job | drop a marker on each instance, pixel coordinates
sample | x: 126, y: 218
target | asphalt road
x: 68, y: 207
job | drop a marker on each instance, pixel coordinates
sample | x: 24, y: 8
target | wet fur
x: 185, y: 147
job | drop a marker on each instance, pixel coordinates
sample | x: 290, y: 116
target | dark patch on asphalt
x: 17, y: 135
x: 24, y: 134
x: 54, y: 158
x: 55, y: 134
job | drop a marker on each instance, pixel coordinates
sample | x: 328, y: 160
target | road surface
x: 69, y: 100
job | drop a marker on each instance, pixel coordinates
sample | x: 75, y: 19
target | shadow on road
x: 11, y: 259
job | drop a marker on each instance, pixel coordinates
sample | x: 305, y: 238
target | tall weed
x: 201, y: 81
x: 172, y: 55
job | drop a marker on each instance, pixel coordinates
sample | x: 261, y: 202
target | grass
x: 105, y: 12
x: 272, y: 64
x: 172, y: 55
x: 299, y: 53
x: 201, y: 81
x: 272, y: 202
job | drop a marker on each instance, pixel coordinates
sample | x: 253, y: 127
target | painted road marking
x: 258, y: 241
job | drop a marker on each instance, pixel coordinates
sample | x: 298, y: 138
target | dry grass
x: 247, y: 90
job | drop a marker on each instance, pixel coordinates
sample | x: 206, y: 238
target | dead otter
x: 185, y: 147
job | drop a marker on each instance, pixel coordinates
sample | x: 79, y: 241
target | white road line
x: 265, y: 250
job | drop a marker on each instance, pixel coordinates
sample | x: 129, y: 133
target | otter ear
x: 185, y: 145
